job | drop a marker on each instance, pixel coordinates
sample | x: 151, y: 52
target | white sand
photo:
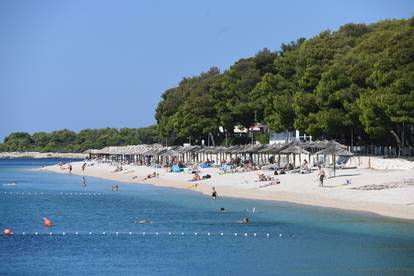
x: 298, y: 188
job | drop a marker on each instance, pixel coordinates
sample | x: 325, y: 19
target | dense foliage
x: 356, y: 83
x: 69, y: 141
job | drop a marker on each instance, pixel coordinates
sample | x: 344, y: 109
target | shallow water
x: 302, y: 239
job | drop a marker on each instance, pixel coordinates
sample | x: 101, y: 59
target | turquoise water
x: 301, y: 240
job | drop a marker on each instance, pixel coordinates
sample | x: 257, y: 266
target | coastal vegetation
x: 70, y: 141
x: 355, y: 85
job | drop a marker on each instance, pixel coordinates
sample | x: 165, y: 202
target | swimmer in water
x: 252, y: 210
x: 83, y: 181
x: 222, y: 210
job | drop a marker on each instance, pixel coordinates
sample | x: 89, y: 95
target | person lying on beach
x: 271, y: 183
x: 118, y: 168
x: 196, y: 177
x: 151, y: 175
x: 288, y: 167
x: 263, y: 177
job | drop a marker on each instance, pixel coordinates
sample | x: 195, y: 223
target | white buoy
x: 130, y: 233
x: 90, y: 233
x: 280, y: 235
x: 23, y: 233
x: 195, y: 233
x: 235, y: 234
x: 268, y: 235
x: 36, y: 233
x: 245, y: 234
x: 169, y: 233
x: 116, y: 233
x: 143, y: 233
x: 76, y: 233
x: 156, y: 233
x: 254, y: 234
x: 208, y: 233
x: 50, y: 233
x: 222, y: 234
x: 103, y: 233
x: 182, y: 233
x: 63, y: 233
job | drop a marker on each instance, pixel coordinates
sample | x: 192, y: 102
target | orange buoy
x: 47, y: 222
x: 7, y: 232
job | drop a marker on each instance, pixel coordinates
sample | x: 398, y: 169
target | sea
x: 148, y: 230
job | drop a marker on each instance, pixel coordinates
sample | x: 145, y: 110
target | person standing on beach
x: 214, y: 193
x: 70, y: 169
x: 83, y: 166
x: 321, y: 174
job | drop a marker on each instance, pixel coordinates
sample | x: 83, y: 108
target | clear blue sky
x: 90, y: 64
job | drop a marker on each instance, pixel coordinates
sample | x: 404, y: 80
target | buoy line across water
x: 130, y: 233
x: 61, y: 193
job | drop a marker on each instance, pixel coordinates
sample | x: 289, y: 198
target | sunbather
x: 151, y: 175
x: 196, y: 177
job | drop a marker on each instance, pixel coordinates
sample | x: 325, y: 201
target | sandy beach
x: 385, y: 192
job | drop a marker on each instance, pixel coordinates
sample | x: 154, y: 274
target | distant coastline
x: 35, y: 154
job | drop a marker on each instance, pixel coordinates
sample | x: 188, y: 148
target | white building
x: 287, y: 137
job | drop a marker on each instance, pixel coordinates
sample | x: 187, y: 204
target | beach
x: 385, y: 192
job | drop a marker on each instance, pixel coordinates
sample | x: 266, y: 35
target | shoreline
x: 392, y: 202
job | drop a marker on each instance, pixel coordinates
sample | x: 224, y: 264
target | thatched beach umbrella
x: 335, y: 150
x: 294, y: 149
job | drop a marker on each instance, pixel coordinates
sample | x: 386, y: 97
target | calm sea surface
x: 301, y: 240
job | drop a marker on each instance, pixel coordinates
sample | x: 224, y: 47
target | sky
x: 92, y: 64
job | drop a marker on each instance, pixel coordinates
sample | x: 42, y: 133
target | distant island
x: 354, y: 85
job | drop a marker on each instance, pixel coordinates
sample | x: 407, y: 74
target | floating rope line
x: 61, y: 193
x: 196, y: 234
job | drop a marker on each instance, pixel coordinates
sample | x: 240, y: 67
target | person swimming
x: 245, y: 220
x: 83, y: 181
x: 222, y: 210
x: 252, y: 210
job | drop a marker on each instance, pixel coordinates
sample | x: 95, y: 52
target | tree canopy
x: 69, y: 141
x: 355, y: 82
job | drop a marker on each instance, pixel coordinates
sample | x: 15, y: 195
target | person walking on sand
x: 83, y: 166
x: 321, y: 174
x: 214, y: 193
